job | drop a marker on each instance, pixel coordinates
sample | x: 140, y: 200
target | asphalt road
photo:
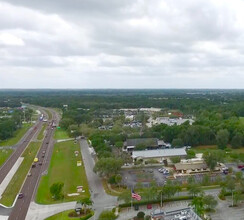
x: 20, y: 147
x: 30, y: 185
x: 100, y: 199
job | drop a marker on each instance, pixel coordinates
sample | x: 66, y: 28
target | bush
x: 151, y: 161
x: 87, y: 216
x: 140, y: 215
x: 156, y: 201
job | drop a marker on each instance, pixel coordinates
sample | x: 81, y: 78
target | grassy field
x: 4, y: 154
x: 60, y: 134
x: 63, y: 216
x: 17, y: 136
x: 15, y: 184
x: 41, y: 133
x: 63, y: 168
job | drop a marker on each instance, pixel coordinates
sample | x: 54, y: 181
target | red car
x: 241, y: 166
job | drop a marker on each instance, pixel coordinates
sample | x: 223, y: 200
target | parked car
x: 241, y: 166
x: 161, y: 170
x: 166, y: 172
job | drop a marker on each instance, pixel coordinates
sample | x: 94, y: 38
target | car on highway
x: 33, y: 165
x: 29, y: 174
x: 20, y: 196
x: 40, y: 163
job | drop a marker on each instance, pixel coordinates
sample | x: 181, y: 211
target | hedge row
x: 87, y: 216
x: 156, y: 201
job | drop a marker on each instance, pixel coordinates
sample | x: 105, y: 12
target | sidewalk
x: 10, y: 175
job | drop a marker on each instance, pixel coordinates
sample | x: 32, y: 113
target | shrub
x: 140, y: 215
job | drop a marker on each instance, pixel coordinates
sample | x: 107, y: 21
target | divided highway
x: 20, y: 147
x: 31, y: 183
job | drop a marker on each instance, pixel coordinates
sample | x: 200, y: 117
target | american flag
x: 135, y: 195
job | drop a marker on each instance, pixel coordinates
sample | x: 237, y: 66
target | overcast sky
x: 122, y: 44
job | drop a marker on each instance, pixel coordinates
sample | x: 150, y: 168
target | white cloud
x: 11, y: 40
x: 125, y: 44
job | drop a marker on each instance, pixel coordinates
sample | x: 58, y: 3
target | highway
x: 31, y: 183
x: 20, y: 147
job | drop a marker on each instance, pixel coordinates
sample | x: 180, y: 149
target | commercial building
x: 161, y: 155
x: 150, y: 143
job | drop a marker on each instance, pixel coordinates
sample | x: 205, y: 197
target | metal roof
x: 159, y: 153
x: 150, y: 142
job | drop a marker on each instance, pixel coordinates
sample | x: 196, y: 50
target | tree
x: 212, y: 158
x: 222, y: 138
x: 119, y: 144
x: 118, y: 179
x: 175, y: 159
x: 210, y: 202
x: 85, y: 203
x: 125, y: 196
x: 56, y: 190
x: 190, y: 154
x: 239, y: 175
x: 107, y: 215
x: 198, y: 204
x: 141, y: 146
x: 107, y: 167
x: 237, y: 196
x: 237, y: 140
x: 140, y: 215
x: 177, y: 142
x: 194, y: 189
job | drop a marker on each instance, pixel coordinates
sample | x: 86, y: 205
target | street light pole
x: 161, y: 199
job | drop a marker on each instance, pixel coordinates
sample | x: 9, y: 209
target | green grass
x: 60, y: 134
x: 242, y: 120
x: 63, y: 168
x: 17, y: 136
x: 64, y: 216
x: 49, y: 114
x: 41, y: 133
x: 61, y: 216
x: 4, y: 154
x: 16, y: 182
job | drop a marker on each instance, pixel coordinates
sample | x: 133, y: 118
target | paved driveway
x: 99, y: 197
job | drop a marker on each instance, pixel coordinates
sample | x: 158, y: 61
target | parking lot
x: 144, y: 176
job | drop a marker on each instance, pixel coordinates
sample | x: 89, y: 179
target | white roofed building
x: 159, y: 154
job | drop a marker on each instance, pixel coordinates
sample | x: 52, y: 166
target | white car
x: 161, y: 170
x: 166, y: 171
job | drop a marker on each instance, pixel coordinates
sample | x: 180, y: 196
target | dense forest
x: 218, y: 113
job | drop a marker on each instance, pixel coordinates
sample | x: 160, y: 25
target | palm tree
x: 85, y: 203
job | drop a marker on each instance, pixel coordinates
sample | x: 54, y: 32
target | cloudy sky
x: 122, y: 44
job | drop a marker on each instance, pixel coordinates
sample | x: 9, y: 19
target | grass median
x: 4, y: 155
x: 16, y: 182
x: 17, y: 136
x: 63, y: 168
x: 60, y: 134
x: 41, y: 133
